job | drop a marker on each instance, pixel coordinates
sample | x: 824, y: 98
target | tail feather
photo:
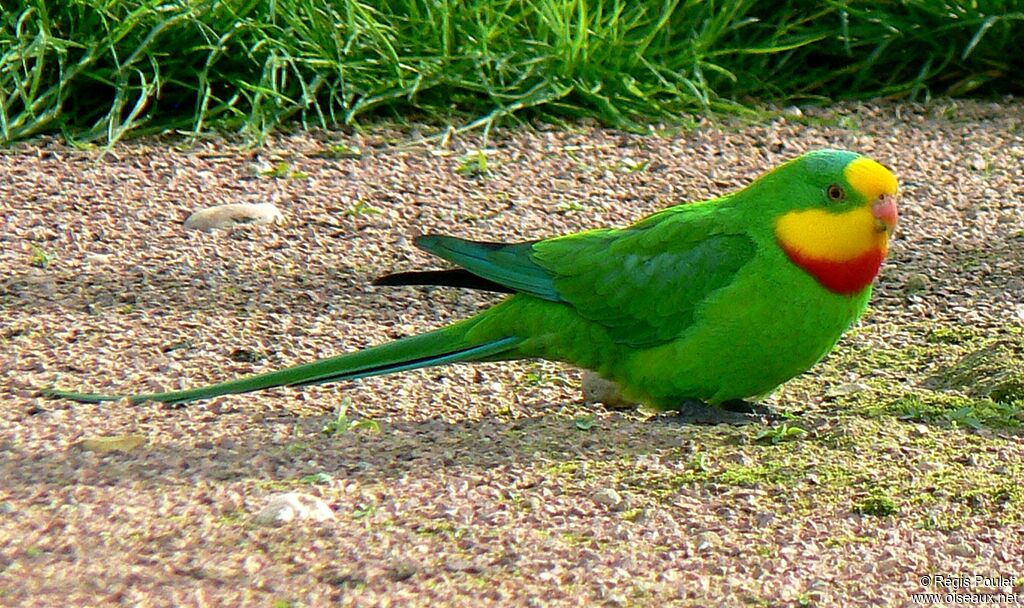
x: 473, y: 353
x: 456, y: 277
x: 439, y: 347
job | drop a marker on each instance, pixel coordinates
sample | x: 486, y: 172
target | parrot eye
x: 835, y: 192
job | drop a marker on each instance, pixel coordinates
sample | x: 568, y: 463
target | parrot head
x: 837, y: 226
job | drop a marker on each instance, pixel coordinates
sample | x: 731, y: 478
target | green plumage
x: 695, y: 302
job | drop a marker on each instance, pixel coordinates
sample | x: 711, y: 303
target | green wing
x: 644, y: 283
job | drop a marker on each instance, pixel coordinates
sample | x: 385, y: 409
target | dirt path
x: 491, y: 485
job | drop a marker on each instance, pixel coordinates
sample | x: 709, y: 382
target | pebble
x: 609, y: 498
x: 98, y: 258
x: 917, y: 282
x: 461, y: 565
x: 849, y: 388
x: 598, y: 390
x: 117, y: 443
x: 403, y: 570
x: 708, y: 540
x: 237, y: 214
x: 740, y: 458
x: 285, y: 508
x: 534, y: 504
x: 962, y: 550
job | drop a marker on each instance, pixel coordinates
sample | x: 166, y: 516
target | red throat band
x: 843, y: 277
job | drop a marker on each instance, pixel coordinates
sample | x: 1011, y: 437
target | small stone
x: 793, y: 111
x: 920, y: 429
x: 708, y: 540
x: 284, y: 508
x: 98, y: 258
x: 259, y: 168
x: 461, y: 565
x: 850, y: 388
x: 978, y: 163
x: 917, y: 282
x: 1020, y: 311
x: 598, y: 390
x: 345, y: 578
x: 962, y: 550
x: 609, y: 498
x: 403, y: 570
x: 740, y: 458
x: 117, y: 443
x: 238, y: 214
x: 245, y: 355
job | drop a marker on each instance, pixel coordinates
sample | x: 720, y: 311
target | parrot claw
x: 737, y: 412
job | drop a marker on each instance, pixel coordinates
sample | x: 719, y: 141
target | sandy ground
x: 492, y: 484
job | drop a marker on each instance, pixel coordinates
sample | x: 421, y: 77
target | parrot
x: 714, y: 302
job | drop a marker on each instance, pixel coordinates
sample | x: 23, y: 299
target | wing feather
x: 645, y: 283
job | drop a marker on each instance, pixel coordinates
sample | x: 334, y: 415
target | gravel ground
x: 490, y: 484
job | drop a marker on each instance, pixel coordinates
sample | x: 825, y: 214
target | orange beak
x: 885, y: 212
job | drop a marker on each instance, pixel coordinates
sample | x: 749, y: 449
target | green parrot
x: 716, y: 301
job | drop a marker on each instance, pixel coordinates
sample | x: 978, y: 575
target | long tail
x: 446, y: 345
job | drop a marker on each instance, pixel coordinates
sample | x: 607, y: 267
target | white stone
x: 284, y: 508
x: 850, y: 388
x: 237, y: 214
x: 98, y: 258
x: 708, y: 540
x: 609, y: 498
x: 598, y: 390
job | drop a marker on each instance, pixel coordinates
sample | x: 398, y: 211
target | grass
x: 473, y: 164
x: 936, y: 455
x: 878, y: 505
x: 778, y: 434
x: 342, y: 423
x: 880, y: 468
x: 283, y: 170
x: 39, y: 257
x: 95, y: 70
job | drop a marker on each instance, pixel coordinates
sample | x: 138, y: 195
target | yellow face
x: 840, y: 237
x: 870, y: 179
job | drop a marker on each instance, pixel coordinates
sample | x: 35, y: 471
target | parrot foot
x: 747, y: 407
x: 736, y: 412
